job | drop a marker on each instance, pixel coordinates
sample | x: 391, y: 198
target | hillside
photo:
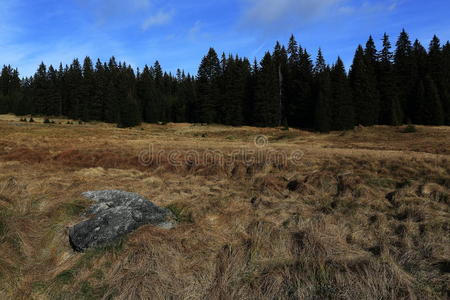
x: 357, y: 214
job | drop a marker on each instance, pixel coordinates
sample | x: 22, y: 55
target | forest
x: 288, y: 87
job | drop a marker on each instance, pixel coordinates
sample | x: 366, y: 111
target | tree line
x: 410, y: 84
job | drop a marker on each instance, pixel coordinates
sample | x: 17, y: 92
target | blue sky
x: 178, y: 32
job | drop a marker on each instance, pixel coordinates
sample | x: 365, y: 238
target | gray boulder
x: 116, y: 214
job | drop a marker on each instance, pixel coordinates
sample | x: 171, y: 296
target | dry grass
x: 322, y: 228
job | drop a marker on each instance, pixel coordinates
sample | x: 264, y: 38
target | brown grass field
x: 362, y: 214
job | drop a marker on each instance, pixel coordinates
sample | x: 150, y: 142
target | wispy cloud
x: 275, y: 11
x: 161, y: 18
x: 280, y: 14
x: 115, y: 10
x: 195, y: 30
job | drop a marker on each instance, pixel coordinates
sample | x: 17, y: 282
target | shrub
x: 409, y: 129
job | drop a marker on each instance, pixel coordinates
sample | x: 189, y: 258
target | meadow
x: 289, y: 214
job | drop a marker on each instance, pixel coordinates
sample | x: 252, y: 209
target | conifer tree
x: 293, y: 84
x: 433, y: 113
x: 436, y: 67
x: 280, y: 61
x: 323, y: 106
x: 364, y: 89
x: 87, y: 109
x: 403, y: 68
x: 343, y: 114
x: 391, y: 112
x: 267, y: 106
x: 208, y: 87
x: 446, y: 81
x: 53, y: 97
x: 75, y: 95
x: 129, y: 112
x: 40, y: 90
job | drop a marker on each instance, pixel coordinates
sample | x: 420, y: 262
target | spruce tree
x: 129, y: 112
x: 40, y: 90
x: 446, y: 81
x: 267, y: 106
x: 415, y: 109
x: 75, y: 94
x: 323, y: 106
x: 280, y: 60
x: 391, y: 112
x: 343, y: 114
x: 88, y: 110
x: 364, y: 89
x: 208, y: 87
x: 293, y: 84
x: 53, y: 96
x: 436, y: 67
x: 433, y: 112
x: 403, y: 68
x: 306, y: 105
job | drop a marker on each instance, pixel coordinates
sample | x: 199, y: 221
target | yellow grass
x: 243, y: 233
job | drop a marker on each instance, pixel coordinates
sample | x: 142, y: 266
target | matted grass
x: 321, y: 227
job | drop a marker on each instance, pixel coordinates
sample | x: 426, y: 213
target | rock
x: 115, y: 214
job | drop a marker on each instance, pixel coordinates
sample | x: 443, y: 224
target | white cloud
x: 161, y: 18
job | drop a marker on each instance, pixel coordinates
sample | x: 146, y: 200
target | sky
x: 179, y: 33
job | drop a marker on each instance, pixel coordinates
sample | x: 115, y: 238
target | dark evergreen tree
x: 40, y: 90
x: 74, y: 93
x: 283, y: 89
x: 433, y: 113
x: 403, y: 68
x: 129, y: 112
x: 364, y: 89
x: 323, y: 106
x: 446, y: 81
x: 208, y: 91
x: 53, y: 97
x: 293, y: 83
x: 343, y: 114
x: 436, y: 67
x: 88, y: 110
x: 267, y: 106
x: 391, y: 112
